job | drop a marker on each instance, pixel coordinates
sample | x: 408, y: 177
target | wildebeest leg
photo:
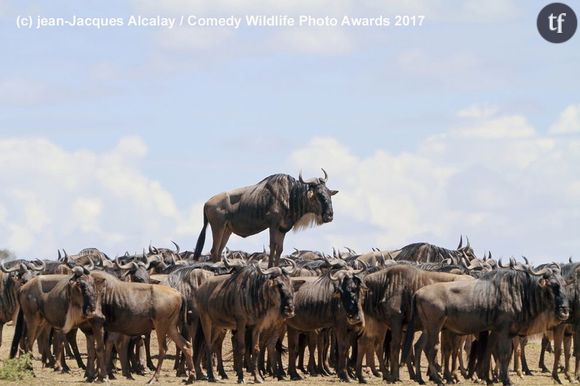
x: 220, y: 235
x: 276, y: 246
x: 396, y: 337
x: 239, y: 350
x: 207, y: 334
x: 517, y: 356
x: 504, y: 348
x: 90, y: 372
x: 58, y: 344
x: 150, y: 364
x: 567, y: 346
x: 558, y: 337
x: 218, y: 348
x: 312, y: 339
x: 541, y: 364
x: 342, y: 349
x: 293, y: 337
x: 302, y: 343
x: 254, y: 354
x: 72, y: 340
x: 446, y: 348
x: 364, y: 341
x: 525, y: 367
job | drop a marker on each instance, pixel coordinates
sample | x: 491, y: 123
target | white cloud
x: 511, y: 189
x: 569, y: 121
x: 54, y: 198
x: 478, y: 111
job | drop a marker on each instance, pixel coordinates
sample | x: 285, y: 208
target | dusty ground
x: 46, y: 376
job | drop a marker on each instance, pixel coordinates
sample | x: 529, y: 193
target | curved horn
x: 40, y: 267
x: 364, y: 265
x: 570, y: 259
x: 460, y: 242
x: 467, y: 246
x: 59, y: 255
x: 289, y: 271
x: 325, y: 176
x: 499, y: 263
x: 78, y: 271
x: 307, y: 182
x: 335, y: 278
x: 176, y: 246
x: 92, y: 266
x: 540, y: 272
x: 512, y: 262
x: 269, y: 271
x: 526, y: 260
x: 122, y: 266
x: 151, y: 249
x: 8, y: 270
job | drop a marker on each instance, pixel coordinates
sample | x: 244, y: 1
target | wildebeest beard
x: 304, y: 213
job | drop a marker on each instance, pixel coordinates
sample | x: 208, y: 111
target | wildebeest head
x: 319, y: 197
x: 350, y: 288
x: 22, y: 272
x: 83, y: 300
x: 552, y: 284
x: 136, y: 271
x: 466, y: 249
x: 278, y: 283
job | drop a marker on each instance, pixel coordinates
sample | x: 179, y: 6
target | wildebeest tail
x: 18, y: 334
x: 410, y: 334
x: 201, y: 238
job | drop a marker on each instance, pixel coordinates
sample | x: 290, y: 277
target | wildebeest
x: 334, y: 300
x: 137, y: 308
x: 505, y: 302
x: 247, y: 301
x: 60, y: 301
x: 12, y: 278
x: 388, y: 306
x: 278, y: 203
x: 427, y: 253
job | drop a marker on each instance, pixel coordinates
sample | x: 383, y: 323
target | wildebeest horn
x: 122, y: 266
x: 460, y: 242
x: 176, y: 246
x: 40, y: 267
x: 92, y: 266
x: 467, y: 245
x: 512, y: 262
x: 570, y: 259
x: 59, y: 255
x: 325, y: 175
x: 540, y: 272
x: 8, y: 270
x: 526, y: 260
x: 364, y: 265
x: 499, y: 263
x: 287, y: 270
x: 312, y: 181
x: 78, y: 271
x: 269, y: 271
x: 333, y: 277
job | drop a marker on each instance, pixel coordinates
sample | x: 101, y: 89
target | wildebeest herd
x: 326, y: 313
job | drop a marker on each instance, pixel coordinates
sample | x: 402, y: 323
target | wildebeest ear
x: 542, y: 282
x: 333, y: 192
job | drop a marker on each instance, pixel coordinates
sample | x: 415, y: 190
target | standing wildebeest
x: 426, y: 253
x: 247, y: 301
x: 388, y: 305
x: 278, y: 203
x: 62, y: 301
x: 137, y: 308
x: 11, y: 278
x: 504, y: 302
x: 334, y: 300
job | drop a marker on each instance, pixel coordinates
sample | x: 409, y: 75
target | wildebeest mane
x: 8, y: 300
x: 318, y: 296
x: 512, y: 291
x: 426, y: 253
x: 249, y: 282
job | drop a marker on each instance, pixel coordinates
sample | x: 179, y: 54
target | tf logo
x: 557, y: 22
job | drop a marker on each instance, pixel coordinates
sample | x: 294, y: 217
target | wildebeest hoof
x: 240, y: 381
x: 295, y: 377
x: 362, y: 380
x: 544, y: 369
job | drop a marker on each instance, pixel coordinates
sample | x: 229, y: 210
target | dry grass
x: 44, y: 376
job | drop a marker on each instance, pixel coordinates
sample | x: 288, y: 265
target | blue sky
x: 467, y: 124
